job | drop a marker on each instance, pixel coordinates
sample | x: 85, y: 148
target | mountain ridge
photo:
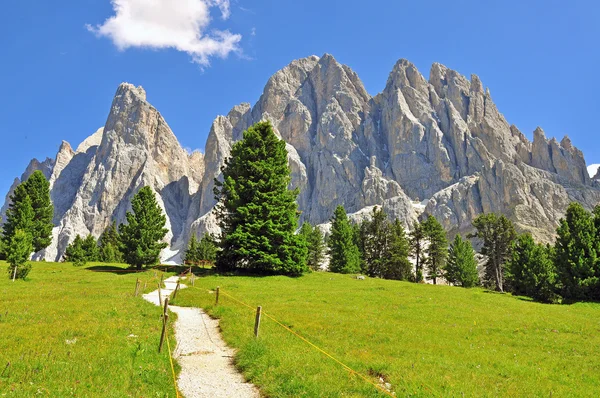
x: 438, y: 146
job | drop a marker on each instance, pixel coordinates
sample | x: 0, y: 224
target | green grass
x: 97, y: 314
x: 424, y: 340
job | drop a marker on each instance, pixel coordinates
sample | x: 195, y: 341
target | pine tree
x: 437, y: 250
x: 141, y: 237
x: 18, y: 216
x: 207, y: 248
x: 257, y: 212
x: 38, y: 189
x: 316, y: 249
x: 344, y: 254
x: 577, y: 248
x: 75, y: 252
x: 18, y: 252
x: 191, y: 253
x: 497, y: 234
x: 109, y: 245
x: 417, y: 250
x: 376, y: 236
x: 91, y: 249
x: 461, y: 267
x: 531, y: 271
x: 396, y: 265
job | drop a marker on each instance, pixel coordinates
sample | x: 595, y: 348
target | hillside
x: 424, y: 340
x: 437, y: 145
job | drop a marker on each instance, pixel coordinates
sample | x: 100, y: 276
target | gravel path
x: 207, y: 368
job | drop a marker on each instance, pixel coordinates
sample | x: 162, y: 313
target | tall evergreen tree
x: 109, y: 245
x: 577, y: 248
x: 75, y: 253
x: 497, y: 234
x: 397, y: 266
x: 38, y: 189
x: 376, y: 239
x: 207, y: 248
x: 191, y: 253
x: 531, y: 270
x: 91, y: 249
x: 461, y: 267
x: 316, y: 248
x: 18, y: 251
x: 141, y: 237
x: 257, y: 212
x: 344, y: 254
x: 417, y: 249
x: 19, y: 215
x: 437, y: 250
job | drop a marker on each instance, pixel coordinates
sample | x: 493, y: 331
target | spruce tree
x: 497, y: 234
x: 207, y: 248
x: 576, y: 251
x: 18, y: 251
x: 91, y: 249
x: 344, y: 254
x: 75, y: 252
x: 190, y: 256
x: 141, y: 237
x: 257, y: 212
x: 109, y: 245
x: 396, y: 264
x: 376, y: 236
x: 531, y: 271
x: 437, y: 250
x: 461, y: 267
x: 417, y: 250
x: 316, y: 249
x: 38, y: 189
x: 18, y: 216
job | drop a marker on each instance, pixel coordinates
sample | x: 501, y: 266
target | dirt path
x: 207, y: 368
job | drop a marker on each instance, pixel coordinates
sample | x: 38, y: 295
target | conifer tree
x: 417, y: 250
x: 91, y: 249
x: 397, y: 266
x: 75, y: 252
x: 257, y: 212
x: 38, y: 189
x: 531, y: 271
x: 376, y: 237
x: 18, y: 216
x: 315, y: 245
x: 207, y: 248
x: 344, y: 254
x: 497, y: 234
x: 141, y: 237
x: 437, y: 250
x: 191, y: 253
x: 577, y: 249
x: 109, y: 245
x: 461, y: 267
x: 19, y: 249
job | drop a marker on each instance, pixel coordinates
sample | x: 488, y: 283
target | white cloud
x: 161, y: 24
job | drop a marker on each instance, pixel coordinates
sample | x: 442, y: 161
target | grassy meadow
x: 424, y: 340
x: 68, y: 331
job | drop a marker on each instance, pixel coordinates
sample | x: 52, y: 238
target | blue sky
x: 62, y: 61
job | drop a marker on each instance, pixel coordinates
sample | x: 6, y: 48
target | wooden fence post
x: 159, y: 295
x: 164, y: 328
x: 257, y: 321
x: 176, y: 289
x: 15, y: 273
x: 193, y: 279
x: 217, y: 298
x: 137, y: 287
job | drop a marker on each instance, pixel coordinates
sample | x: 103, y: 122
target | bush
x: 22, y: 271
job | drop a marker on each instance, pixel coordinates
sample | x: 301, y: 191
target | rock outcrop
x: 422, y: 146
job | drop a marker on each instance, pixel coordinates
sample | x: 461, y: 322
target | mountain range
x: 435, y: 146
